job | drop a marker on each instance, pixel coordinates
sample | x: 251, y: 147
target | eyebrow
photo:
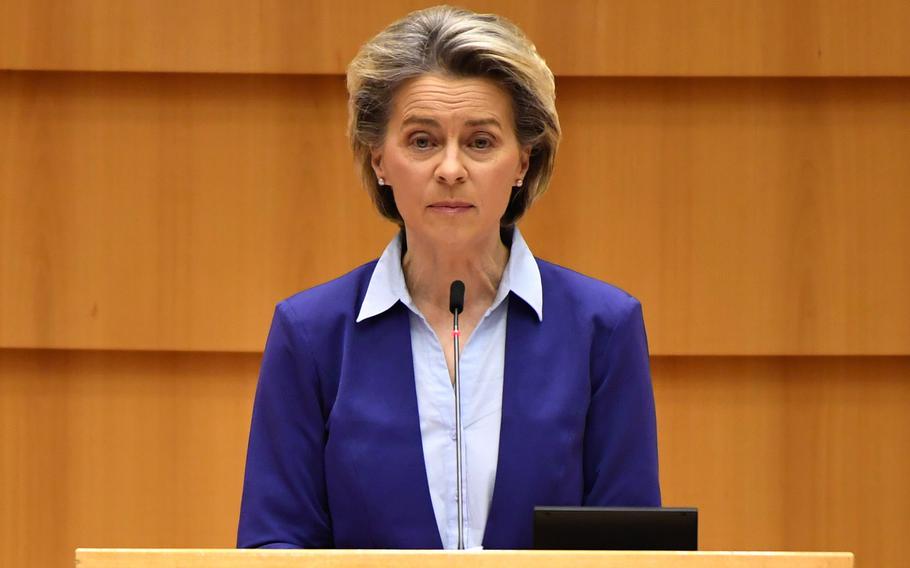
x: 433, y: 122
x: 484, y: 122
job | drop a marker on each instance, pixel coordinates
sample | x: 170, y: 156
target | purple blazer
x: 335, y: 456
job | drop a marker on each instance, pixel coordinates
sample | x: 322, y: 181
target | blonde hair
x: 460, y: 43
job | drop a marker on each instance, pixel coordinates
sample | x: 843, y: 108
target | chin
x: 468, y: 236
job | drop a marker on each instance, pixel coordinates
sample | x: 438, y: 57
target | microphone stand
x: 456, y: 305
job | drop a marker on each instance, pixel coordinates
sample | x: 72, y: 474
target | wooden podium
x: 229, y: 558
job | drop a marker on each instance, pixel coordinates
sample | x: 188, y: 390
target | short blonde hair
x: 460, y: 43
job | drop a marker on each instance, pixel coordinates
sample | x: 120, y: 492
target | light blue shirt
x: 481, y: 365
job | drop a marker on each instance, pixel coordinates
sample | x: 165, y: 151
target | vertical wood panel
x: 130, y: 203
x: 793, y: 453
x: 118, y: 449
x: 749, y: 216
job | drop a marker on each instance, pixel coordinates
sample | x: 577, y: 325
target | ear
x: 376, y: 162
x: 524, y: 161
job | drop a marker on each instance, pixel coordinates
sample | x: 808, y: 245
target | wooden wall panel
x: 750, y: 216
x: 789, y: 453
x: 582, y: 37
x: 162, y: 212
x: 155, y: 212
x: 143, y: 211
x: 120, y: 449
x: 129, y: 449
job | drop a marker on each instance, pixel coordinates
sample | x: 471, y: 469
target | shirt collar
x: 387, y: 285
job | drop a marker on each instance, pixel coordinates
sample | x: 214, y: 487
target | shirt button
x: 452, y: 434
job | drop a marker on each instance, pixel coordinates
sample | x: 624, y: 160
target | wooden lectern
x: 224, y: 558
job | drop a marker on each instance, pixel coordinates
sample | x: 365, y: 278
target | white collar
x: 387, y: 285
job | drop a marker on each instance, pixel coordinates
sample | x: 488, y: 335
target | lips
x: 451, y: 206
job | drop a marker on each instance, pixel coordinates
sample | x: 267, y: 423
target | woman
x: 453, y: 121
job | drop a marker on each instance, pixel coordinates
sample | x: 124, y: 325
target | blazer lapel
x: 392, y: 468
x: 510, y: 518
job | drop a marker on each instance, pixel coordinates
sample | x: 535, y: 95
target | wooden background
x: 169, y: 170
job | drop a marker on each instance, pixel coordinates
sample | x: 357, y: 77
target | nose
x: 451, y: 170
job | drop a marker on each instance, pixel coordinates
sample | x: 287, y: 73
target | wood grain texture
x: 146, y: 211
x: 133, y: 449
x: 749, y: 216
x: 129, y: 204
x: 581, y: 38
x: 789, y: 453
x: 93, y: 558
x: 120, y: 449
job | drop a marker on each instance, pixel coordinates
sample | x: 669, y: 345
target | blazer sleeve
x: 284, y: 502
x: 620, y: 445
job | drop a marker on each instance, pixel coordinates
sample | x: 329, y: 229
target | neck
x: 429, y: 270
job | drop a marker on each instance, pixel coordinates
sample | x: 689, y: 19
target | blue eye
x: 482, y: 143
x: 421, y: 142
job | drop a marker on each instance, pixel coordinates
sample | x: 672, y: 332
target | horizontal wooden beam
x: 580, y: 38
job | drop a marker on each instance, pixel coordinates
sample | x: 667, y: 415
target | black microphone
x: 456, y: 306
x: 456, y: 297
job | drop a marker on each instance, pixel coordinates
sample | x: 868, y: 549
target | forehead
x: 459, y: 98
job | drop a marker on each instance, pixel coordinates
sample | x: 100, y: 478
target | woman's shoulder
x: 570, y: 291
x: 340, y: 296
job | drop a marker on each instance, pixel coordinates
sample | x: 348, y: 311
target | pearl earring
x: 381, y: 181
x: 519, y: 182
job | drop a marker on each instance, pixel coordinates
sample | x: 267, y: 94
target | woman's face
x: 451, y: 157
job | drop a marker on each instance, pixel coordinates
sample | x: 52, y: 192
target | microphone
x: 456, y: 297
x: 456, y: 306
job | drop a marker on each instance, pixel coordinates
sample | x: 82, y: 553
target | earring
x: 381, y: 181
x: 519, y: 182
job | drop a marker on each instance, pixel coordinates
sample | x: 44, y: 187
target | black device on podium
x: 615, y: 528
